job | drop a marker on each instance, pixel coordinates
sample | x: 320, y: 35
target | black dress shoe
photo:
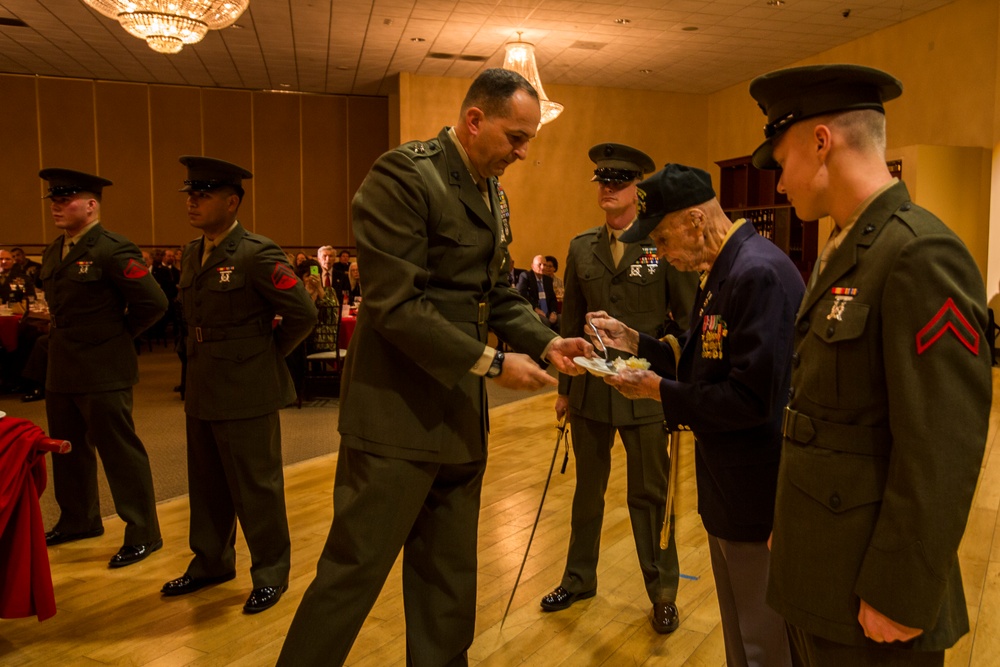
x: 263, y: 598
x: 664, y: 617
x: 129, y: 554
x: 54, y: 537
x: 561, y: 598
x: 33, y: 395
x: 184, y: 585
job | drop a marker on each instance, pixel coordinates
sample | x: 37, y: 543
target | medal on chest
x: 648, y: 260
x: 504, y: 212
x: 841, y: 297
x: 225, y: 273
x: 713, y: 333
x: 83, y: 267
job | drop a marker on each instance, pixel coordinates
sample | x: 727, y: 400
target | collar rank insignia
x: 948, y: 318
x: 225, y: 273
x: 84, y: 267
x: 135, y: 270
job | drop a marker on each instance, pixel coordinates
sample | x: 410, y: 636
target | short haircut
x: 555, y: 262
x: 326, y: 247
x: 492, y: 90
x: 863, y: 129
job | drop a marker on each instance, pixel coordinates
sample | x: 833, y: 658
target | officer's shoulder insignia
x: 283, y: 277
x: 135, y: 269
x: 421, y: 148
x: 948, y: 319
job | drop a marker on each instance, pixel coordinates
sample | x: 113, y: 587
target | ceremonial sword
x: 563, y: 427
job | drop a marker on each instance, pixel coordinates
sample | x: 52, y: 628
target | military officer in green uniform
x: 101, y: 296
x: 431, y: 222
x: 886, y: 425
x: 233, y: 284
x: 631, y: 284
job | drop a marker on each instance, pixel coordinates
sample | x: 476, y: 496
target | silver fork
x: 604, y: 348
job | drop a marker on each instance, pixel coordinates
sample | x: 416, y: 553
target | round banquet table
x: 8, y: 331
x: 347, y: 324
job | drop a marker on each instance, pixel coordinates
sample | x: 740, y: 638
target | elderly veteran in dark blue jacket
x: 726, y: 379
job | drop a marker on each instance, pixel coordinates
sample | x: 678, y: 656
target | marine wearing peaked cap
x: 790, y: 95
x: 208, y: 173
x: 618, y: 163
x: 66, y: 182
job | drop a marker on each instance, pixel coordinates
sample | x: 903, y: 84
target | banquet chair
x: 322, y: 359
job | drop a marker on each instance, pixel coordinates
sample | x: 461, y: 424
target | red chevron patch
x: 135, y: 270
x: 949, y: 318
x: 283, y: 277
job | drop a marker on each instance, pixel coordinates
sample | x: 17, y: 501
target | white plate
x: 595, y: 366
x: 2, y: 415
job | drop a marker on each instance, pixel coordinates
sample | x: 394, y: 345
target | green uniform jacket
x: 235, y: 354
x: 645, y: 293
x: 885, y: 431
x: 100, y: 297
x: 430, y: 252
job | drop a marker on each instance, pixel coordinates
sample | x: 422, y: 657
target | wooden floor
x: 117, y: 617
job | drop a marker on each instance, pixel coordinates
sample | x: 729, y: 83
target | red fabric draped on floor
x: 25, y: 578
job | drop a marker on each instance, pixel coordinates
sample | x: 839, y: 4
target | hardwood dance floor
x: 117, y: 617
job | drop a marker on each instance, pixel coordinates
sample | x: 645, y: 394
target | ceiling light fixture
x: 520, y: 58
x: 167, y: 25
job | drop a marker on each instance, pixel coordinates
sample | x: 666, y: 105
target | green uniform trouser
x: 101, y: 422
x: 646, y: 474
x: 380, y: 505
x: 234, y: 470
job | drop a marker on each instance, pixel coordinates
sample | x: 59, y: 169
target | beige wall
x: 552, y: 198
x: 308, y: 154
x: 947, y: 60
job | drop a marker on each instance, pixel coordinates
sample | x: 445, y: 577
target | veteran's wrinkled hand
x: 635, y: 384
x: 613, y: 333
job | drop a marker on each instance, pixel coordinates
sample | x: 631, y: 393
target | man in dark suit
x: 627, y: 280
x: 332, y: 279
x: 539, y: 291
x: 432, y: 229
x: 101, y: 296
x: 886, y: 426
x: 726, y: 379
x: 233, y: 284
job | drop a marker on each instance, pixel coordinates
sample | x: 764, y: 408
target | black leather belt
x: 867, y: 440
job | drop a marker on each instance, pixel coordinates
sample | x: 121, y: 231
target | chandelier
x: 520, y: 58
x: 167, y: 25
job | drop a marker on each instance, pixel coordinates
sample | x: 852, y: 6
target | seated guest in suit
x: 355, y: 279
x: 332, y: 279
x: 538, y: 289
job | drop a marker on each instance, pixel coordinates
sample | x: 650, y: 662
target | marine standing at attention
x: 891, y: 388
x: 233, y: 285
x: 628, y: 281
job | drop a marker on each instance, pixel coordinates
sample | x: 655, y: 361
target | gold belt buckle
x: 197, y: 334
x: 483, y: 307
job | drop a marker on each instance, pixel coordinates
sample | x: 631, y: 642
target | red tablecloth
x: 347, y: 324
x: 8, y: 331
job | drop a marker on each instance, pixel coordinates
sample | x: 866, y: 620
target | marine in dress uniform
x: 101, y: 296
x: 886, y: 425
x: 431, y: 222
x: 233, y: 285
x: 726, y: 379
x: 630, y: 283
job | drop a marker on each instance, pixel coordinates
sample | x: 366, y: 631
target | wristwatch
x: 497, y: 366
